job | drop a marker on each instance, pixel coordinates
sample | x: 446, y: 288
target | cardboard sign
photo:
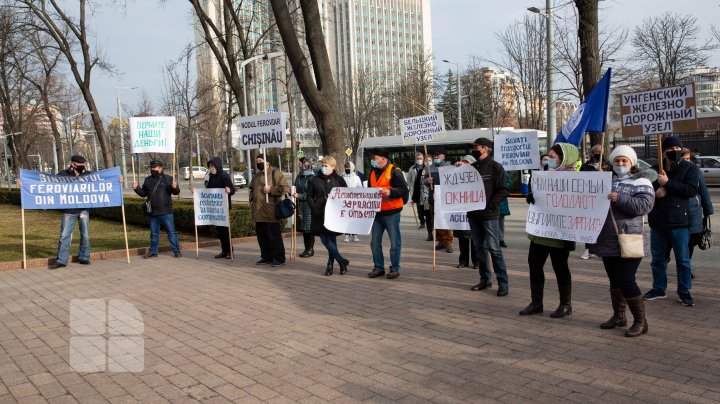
x: 152, y: 134
x: 450, y: 220
x: 663, y: 110
x: 422, y: 129
x: 262, y: 131
x: 100, y: 189
x: 569, y: 205
x: 352, y: 210
x: 517, y: 151
x: 211, y: 207
x: 461, y: 189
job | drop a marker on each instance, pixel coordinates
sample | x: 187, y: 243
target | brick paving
x: 220, y: 331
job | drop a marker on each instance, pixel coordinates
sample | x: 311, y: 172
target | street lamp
x: 264, y: 57
x: 459, y: 101
x: 122, y: 137
x: 547, y: 14
x: 68, y: 121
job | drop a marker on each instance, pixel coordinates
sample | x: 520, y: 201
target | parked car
x: 238, y: 179
x: 197, y: 171
x: 710, y: 167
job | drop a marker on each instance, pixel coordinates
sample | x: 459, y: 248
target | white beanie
x: 625, y: 151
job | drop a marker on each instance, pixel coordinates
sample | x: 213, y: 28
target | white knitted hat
x: 625, y: 151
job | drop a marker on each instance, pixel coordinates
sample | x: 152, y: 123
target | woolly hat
x: 625, y: 151
x: 671, y: 141
x: 470, y: 159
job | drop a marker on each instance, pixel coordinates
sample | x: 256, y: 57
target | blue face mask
x: 308, y: 172
x: 373, y: 164
x: 621, y: 170
x: 437, y: 162
x: 326, y: 170
x: 552, y: 164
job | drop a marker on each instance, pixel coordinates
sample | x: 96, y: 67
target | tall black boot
x: 637, y: 308
x: 329, y: 268
x: 618, y: 318
x: 309, y: 242
x: 564, y: 309
x: 343, y: 263
x: 536, y: 296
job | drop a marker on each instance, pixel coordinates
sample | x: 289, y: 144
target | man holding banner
x: 158, y: 188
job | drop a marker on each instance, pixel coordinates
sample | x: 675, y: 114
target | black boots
x: 618, y: 318
x: 564, y: 309
x: 536, y: 305
x: 329, y: 268
x: 637, y: 308
x: 343, y: 266
x: 309, y: 242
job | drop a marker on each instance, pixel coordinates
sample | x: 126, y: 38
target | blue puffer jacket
x: 699, y: 206
x: 636, y: 198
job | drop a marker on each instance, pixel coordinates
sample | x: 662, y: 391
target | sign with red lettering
x: 449, y: 220
x: 352, y: 210
x: 663, y: 110
x: 569, y: 205
x: 461, y: 189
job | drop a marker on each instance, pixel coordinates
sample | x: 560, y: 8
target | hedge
x: 241, y: 219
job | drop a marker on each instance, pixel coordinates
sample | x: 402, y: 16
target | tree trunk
x: 589, y: 49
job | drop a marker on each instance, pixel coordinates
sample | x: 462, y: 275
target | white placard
x: 422, y: 129
x: 461, y: 189
x: 211, y: 207
x: 262, y: 131
x: 450, y: 220
x: 569, y: 205
x: 352, y: 210
x: 152, y: 134
x: 517, y: 151
x: 662, y: 110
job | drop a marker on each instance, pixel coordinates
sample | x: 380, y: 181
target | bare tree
x: 363, y: 102
x: 51, y: 18
x: 667, y: 45
x: 414, y: 89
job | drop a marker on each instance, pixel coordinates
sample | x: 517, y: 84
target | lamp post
x: 122, y: 137
x: 459, y: 101
x: 547, y: 14
x: 68, y: 121
x: 264, y: 56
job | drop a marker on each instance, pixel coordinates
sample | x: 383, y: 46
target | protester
x: 444, y: 237
x: 394, y: 192
x: 484, y: 225
x: 304, y: 214
x: 422, y: 196
x: 317, y: 195
x: 218, y: 178
x: 631, y: 198
x: 69, y: 218
x: 669, y: 221
x: 267, y: 225
x: 544, y: 162
x: 158, y: 188
x: 593, y: 164
x: 504, y: 211
x: 699, y: 208
x: 413, y: 180
x: 467, y: 248
x: 562, y: 157
x: 352, y: 181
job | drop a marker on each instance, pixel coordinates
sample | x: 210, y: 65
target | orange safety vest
x: 384, y: 183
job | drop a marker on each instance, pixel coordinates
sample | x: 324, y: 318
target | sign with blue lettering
x: 517, y: 151
x: 152, y: 134
x: 211, y: 207
x: 99, y: 189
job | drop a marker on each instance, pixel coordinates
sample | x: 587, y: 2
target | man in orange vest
x: 393, y: 187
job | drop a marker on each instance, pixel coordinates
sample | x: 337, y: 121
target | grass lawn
x: 42, y: 229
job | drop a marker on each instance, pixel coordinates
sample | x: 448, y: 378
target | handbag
x: 706, y: 240
x: 284, y: 208
x: 631, y: 245
x: 147, y: 205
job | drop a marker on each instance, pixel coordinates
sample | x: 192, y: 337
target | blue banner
x: 99, y: 189
x: 590, y: 116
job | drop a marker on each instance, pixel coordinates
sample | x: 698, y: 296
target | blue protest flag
x: 590, y: 116
x: 100, y: 189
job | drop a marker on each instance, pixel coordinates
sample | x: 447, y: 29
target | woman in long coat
x: 304, y: 214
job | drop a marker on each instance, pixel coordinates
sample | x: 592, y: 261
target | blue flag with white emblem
x: 590, y: 116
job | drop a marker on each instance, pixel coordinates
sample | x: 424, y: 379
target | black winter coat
x: 493, y: 176
x: 317, y: 195
x: 160, y: 200
x: 221, y: 179
x: 673, y: 210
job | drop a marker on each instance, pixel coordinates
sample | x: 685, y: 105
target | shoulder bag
x: 706, y: 240
x: 147, y: 205
x: 631, y: 245
x: 284, y: 208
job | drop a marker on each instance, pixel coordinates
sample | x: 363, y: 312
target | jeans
x: 486, y: 237
x: 660, y: 241
x: 391, y: 223
x: 67, y: 225
x: 621, y: 273
x: 329, y: 240
x: 168, y: 222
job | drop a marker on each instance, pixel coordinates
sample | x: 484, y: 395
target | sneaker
x: 356, y: 239
x: 655, y: 294
x: 585, y: 255
x: 347, y: 238
x: 686, y: 299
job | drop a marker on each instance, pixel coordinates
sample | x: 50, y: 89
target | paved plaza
x: 222, y: 331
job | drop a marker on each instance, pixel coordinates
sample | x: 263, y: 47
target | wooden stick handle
x: 127, y: 247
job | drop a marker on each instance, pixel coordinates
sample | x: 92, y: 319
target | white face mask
x: 552, y: 164
x: 419, y: 162
x: 621, y: 170
x: 213, y: 170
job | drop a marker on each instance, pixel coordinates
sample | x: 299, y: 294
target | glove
x: 530, y: 198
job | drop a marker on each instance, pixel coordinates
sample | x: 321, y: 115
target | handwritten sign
x: 260, y: 131
x: 211, y: 207
x: 462, y: 189
x: 100, y: 189
x: 450, y: 220
x: 352, y: 210
x: 569, y: 205
x: 517, y: 151
x: 152, y: 134
x: 422, y: 129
